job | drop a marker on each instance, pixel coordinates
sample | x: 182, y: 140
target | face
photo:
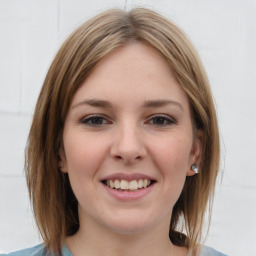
x: 129, y: 142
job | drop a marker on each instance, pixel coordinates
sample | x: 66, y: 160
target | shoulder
x: 38, y: 250
x: 208, y: 251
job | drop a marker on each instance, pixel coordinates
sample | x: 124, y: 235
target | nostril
x: 128, y: 158
x: 128, y: 149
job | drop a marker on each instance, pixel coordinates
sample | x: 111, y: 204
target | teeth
x: 124, y: 184
x: 140, y: 183
x: 111, y: 184
x: 117, y: 184
x: 128, y: 185
x: 133, y: 185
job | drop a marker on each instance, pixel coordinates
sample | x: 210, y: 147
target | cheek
x: 172, y: 154
x: 83, y: 158
x: 172, y: 157
x: 83, y: 153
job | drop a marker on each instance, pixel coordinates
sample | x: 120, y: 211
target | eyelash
x: 166, y: 119
x: 90, y: 120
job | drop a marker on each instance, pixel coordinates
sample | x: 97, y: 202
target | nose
x: 128, y: 144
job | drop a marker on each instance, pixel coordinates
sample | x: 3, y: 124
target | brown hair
x: 54, y: 204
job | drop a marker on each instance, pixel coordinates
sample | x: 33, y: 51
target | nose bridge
x: 128, y: 143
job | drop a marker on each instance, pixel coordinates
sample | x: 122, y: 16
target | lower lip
x: 129, y: 196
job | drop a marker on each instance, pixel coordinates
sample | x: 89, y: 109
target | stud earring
x: 194, y: 168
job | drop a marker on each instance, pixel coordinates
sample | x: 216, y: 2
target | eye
x: 95, y: 120
x: 161, y: 120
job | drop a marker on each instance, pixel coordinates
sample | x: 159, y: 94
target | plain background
x: 224, y: 32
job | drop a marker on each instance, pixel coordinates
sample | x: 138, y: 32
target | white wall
x: 224, y: 33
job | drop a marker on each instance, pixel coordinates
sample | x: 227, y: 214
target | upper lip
x: 125, y: 176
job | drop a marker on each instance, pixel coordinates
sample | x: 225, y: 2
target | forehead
x: 133, y: 72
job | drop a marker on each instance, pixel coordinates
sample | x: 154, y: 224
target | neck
x: 100, y: 242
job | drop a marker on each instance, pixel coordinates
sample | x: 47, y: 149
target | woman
x: 123, y: 151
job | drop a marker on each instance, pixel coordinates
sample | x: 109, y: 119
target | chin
x: 129, y: 224
x: 129, y: 228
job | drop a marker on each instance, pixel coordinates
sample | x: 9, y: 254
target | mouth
x: 128, y: 185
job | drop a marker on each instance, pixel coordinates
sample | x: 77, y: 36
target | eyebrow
x: 94, y: 103
x: 161, y: 103
x: 147, y: 104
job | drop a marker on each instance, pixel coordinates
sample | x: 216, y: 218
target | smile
x: 128, y: 185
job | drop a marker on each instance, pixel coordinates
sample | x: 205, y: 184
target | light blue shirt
x: 207, y: 251
x: 39, y: 250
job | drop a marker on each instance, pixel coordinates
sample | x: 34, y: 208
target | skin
x: 144, y: 128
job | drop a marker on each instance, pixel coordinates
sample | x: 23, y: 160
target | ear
x: 63, y: 161
x: 196, y: 152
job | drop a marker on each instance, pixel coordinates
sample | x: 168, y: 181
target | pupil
x: 159, y: 120
x: 96, y: 120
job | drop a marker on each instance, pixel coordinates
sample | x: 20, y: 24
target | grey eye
x: 161, y: 120
x: 95, y: 120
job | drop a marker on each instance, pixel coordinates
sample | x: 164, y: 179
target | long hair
x: 54, y: 204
